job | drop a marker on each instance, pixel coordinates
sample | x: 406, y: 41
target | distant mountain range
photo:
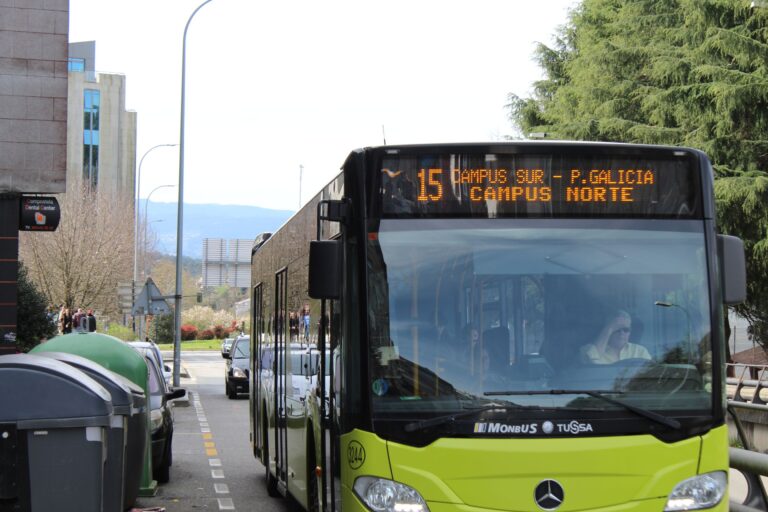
x: 210, y: 221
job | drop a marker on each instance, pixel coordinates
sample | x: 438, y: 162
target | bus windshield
x: 466, y: 312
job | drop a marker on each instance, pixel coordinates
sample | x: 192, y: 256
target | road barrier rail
x: 747, y: 389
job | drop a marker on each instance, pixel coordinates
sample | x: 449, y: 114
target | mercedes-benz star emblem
x: 549, y: 495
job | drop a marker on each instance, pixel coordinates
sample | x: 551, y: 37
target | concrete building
x: 33, y: 124
x: 101, y: 133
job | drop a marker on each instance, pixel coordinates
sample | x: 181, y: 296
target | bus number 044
x: 355, y: 454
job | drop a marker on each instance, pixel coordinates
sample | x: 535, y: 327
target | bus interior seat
x: 496, y: 343
x: 562, y: 349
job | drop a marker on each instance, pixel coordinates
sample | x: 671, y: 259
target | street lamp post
x: 144, y: 247
x: 136, y: 216
x: 146, y: 221
x: 689, y: 325
x: 180, y: 215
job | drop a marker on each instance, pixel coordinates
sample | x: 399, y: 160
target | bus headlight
x: 381, y: 495
x: 701, y: 491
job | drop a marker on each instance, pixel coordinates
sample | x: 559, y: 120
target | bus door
x: 281, y: 378
x: 257, y: 330
x: 329, y: 357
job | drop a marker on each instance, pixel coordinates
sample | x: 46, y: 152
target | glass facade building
x: 91, y: 102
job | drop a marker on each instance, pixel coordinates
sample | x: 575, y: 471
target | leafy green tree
x: 680, y: 72
x: 32, y: 321
x: 163, y: 328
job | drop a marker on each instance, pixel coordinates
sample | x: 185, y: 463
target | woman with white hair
x: 612, y: 343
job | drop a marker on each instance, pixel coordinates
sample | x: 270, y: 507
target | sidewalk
x: 183, y: 374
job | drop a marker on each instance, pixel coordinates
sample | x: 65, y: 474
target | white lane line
x: 226, y: 504
x: 216, y: 474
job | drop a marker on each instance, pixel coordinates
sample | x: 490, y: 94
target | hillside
x: 210, y: 221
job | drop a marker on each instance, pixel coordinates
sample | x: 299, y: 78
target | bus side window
x: 336, y: 373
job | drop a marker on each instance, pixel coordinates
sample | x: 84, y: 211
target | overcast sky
x: 275, y: 85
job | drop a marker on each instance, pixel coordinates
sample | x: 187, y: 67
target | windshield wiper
x: 600, y: 394
x: 448, y: 418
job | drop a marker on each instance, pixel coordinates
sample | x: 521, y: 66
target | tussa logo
x: 574, y: 427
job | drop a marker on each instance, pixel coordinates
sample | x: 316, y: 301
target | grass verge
x: 194, y: 345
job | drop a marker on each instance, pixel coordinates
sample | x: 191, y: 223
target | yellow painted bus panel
x: 714, y: 450
x: 501, y: 474
x: 622, y: 473
x: 363, y: 454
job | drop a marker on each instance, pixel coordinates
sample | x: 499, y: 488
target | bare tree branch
x: 81, y: 263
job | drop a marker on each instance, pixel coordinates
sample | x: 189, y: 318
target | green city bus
x: 513, y: 326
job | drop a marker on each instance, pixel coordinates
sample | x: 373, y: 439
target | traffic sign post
x: 125, y: 297
x: 149, y: 302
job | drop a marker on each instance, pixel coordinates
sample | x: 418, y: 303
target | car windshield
x: 243, y: 348
x: 463, y: 312
x: 155, y: 388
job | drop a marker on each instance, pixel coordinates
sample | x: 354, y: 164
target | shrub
x: 188, y: 332
x: 121, y: 331
x: 200, y: 317
x: 221, y: 317
x: 207, y: 334
x: 33, y: 323
x: 220, y: 332
x: 163, y: 328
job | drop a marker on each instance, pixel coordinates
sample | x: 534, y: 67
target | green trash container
x: 113, y: 354
x: 125, y: 449
x: 53, y: 436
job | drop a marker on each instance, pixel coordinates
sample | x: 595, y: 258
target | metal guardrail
x: 745, y: 391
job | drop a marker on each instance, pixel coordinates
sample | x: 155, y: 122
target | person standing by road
x: 77, y: 319
x: 91, y: 321
x: 65, y: 321
x: 305, y: 321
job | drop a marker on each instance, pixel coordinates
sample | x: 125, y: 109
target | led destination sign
x: 533, y: 185
x: 505, y: 185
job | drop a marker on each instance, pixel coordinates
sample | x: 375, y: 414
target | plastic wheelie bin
x: 126, y: 438
x: 53, y: 436
x: 113, y: 354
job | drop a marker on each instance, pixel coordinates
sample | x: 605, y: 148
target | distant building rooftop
x: 756, y: 355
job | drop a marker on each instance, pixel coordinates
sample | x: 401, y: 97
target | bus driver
x: 612, y: 344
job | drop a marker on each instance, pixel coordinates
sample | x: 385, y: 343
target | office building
x: 101, y: 133
x: 33, y: 124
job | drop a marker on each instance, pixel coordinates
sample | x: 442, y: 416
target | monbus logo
x: 503, y: 428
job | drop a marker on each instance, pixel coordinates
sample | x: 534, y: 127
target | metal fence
x: 746, y: 385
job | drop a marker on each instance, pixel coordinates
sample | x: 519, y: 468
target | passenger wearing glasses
x: 612, y: 344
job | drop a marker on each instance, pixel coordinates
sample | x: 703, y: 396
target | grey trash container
x: 53, y: 436
x: 125, y: 449
x: 137, y: 446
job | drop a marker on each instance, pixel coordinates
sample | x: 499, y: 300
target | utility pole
x: 301, y: 173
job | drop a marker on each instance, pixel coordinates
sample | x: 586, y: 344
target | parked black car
x: 237, y: 371
x: 226, y: 346
x: 161, y: 420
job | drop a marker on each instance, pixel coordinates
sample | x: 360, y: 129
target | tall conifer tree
x: 681, y: 72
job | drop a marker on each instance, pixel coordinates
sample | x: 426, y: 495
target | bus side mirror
x: 325, y: 269
x: 733, y: 270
